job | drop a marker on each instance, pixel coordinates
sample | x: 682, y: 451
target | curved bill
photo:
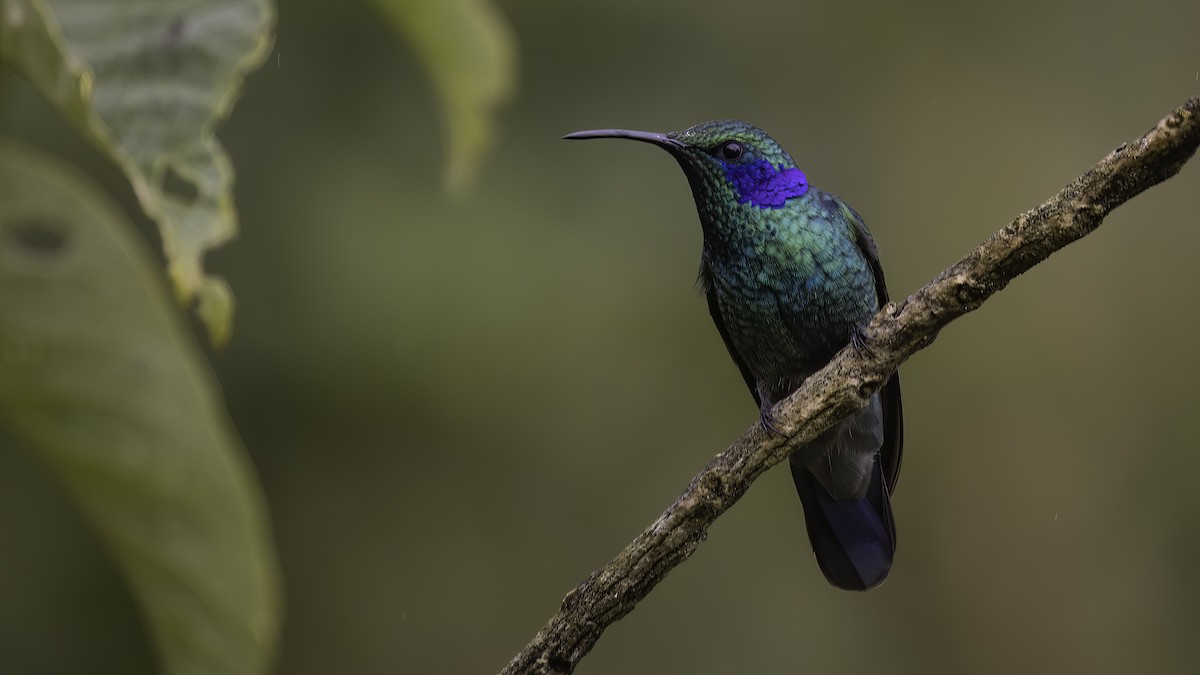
x: 661, y: 140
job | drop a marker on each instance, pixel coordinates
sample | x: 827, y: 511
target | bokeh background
x: 460, y: 407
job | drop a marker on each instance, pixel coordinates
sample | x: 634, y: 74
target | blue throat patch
x: 764, y: 185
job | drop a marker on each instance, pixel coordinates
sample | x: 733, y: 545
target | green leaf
x: 468, y: 48
x: 147, y: 83
x: 101, y: 376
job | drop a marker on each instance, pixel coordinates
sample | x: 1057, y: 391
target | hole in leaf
x: 40, y: 235
x: 175, y: 185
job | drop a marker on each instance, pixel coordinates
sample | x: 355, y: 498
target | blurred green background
x: 460, y: 407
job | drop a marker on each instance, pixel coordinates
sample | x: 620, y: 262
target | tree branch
x: 897, y: 332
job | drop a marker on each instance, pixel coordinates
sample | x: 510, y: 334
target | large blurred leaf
x: 468, y: 48
x: 147, y: 82
x: 101, y: 376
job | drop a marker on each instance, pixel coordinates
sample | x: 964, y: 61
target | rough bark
x: 897, y: 332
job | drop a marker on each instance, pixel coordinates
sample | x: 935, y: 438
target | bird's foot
x: 767, y: 419
x: 858, y: 339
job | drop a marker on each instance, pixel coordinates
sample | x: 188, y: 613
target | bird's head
x: 725, y: 160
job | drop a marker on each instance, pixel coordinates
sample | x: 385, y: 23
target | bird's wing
x: 866, y: 244
x: 893, y: 414
x: 893, y: 431
x: 714, y: 310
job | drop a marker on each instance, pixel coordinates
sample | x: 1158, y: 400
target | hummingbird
x: 792, y: 275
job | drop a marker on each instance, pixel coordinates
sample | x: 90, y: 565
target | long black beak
x: 661, y: 140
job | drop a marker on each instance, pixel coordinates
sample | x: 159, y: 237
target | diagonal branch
x: 896, y: 333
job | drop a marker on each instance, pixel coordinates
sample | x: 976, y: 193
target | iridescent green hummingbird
x: 791, y: 275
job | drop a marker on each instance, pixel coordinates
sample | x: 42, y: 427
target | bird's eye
x: 731, y: 150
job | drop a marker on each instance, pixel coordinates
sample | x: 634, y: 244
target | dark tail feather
x: 854, y: 539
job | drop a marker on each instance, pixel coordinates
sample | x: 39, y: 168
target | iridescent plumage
x: 791, y: 274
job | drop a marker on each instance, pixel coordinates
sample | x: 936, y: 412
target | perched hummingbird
x: 792, y: 275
